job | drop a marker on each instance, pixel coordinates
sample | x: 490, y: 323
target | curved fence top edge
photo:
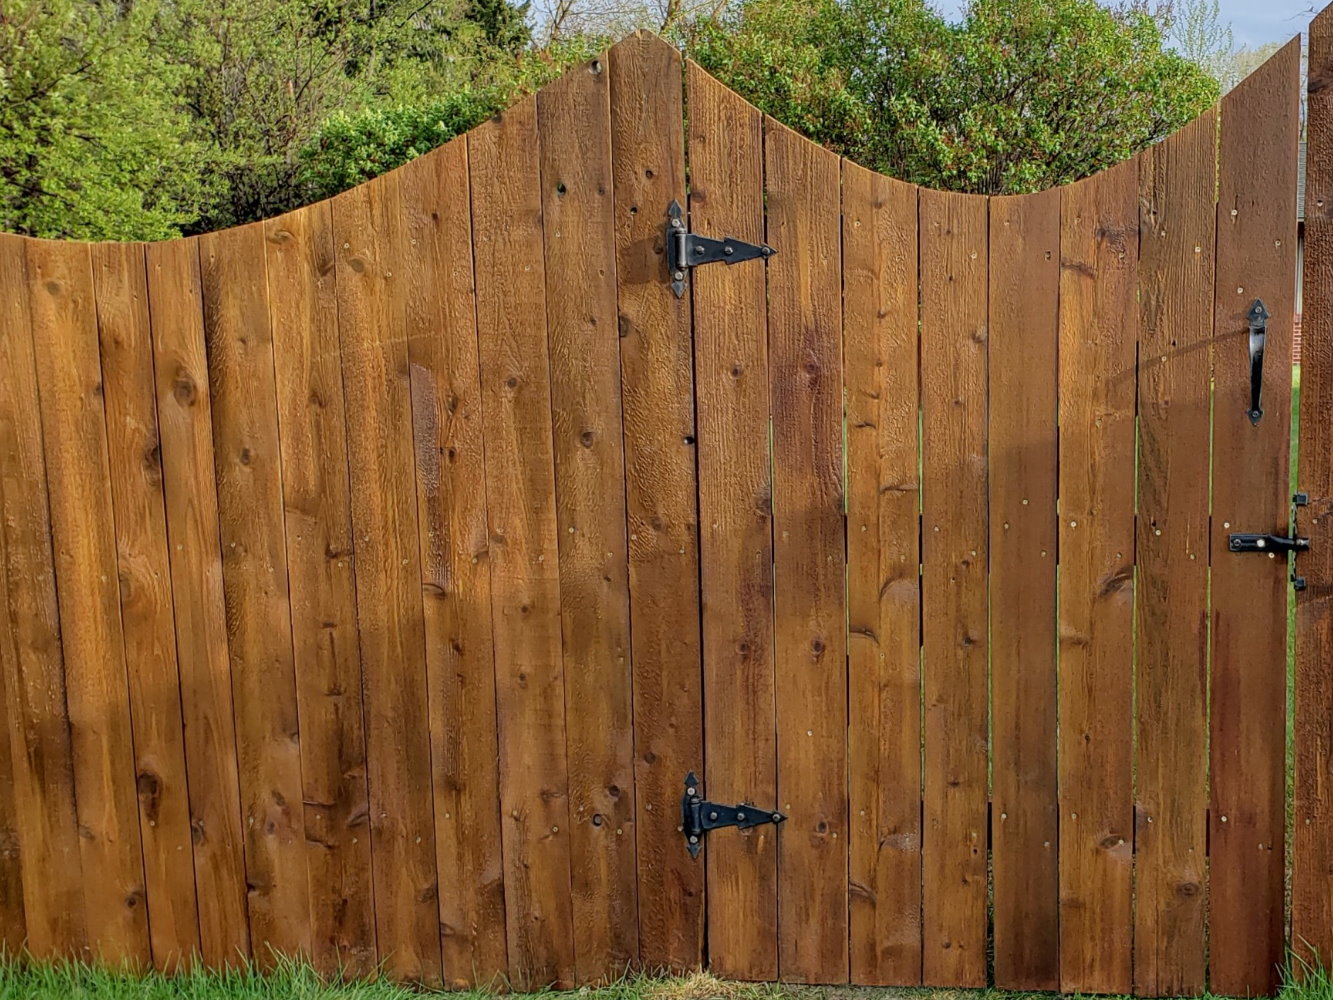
x: 1285, y: 61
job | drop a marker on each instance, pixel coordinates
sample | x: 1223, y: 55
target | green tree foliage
x: 1018, y: 96
x: 93, y: 141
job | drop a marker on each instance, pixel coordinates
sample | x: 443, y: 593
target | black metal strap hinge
x: 686, y: 249
x: 698, y: 816
x: 1276, y: 544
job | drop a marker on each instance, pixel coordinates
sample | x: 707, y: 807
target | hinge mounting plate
x: 698, y: 816
x: 686, y: 249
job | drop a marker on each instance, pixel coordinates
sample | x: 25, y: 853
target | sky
x: 1254, y: 22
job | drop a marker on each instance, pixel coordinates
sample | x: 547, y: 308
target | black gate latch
x: 1278, y: 544
x: 698, y: 816
x: 686, y: 249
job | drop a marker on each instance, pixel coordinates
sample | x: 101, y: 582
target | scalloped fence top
x: 631, y: 539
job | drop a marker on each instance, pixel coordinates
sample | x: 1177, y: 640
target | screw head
x: 740, y: 816
x: 694, y: 840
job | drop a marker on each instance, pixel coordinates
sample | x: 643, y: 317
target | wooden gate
x: 376, y: 574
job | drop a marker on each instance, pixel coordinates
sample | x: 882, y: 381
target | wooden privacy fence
x: 375, y: 575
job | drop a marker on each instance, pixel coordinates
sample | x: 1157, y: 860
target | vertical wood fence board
x: 13, y: 919
x: 369, y: 274
x: 656, y: 358
x: 1256, y: 258
x: 456, y: 576
x: 1022, y: 453
x: 810, y: 642
x: 254, y: 572
x: 953, y: 234
x: 35, y: 700
x: 303, y: 316
x: 69, y: 377
x: 1099, y: 246
x: 880, y: 378
x: 1175, y: 294
x: 185, y: 427
x: 574, y: 125
x: 726, y: 157
x: 524, y: 556
x: 1312, y: 813
x: 143, y: 563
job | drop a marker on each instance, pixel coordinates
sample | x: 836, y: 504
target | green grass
x: 292, y: 981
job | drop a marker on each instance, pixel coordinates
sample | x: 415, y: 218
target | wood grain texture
x: 880, y: 373
x: 370, y: 240
x: 239, y: 342
x: 259, y: 619
x: 455, y: 567
x: 69, y: 378
x: 185, y: 428
x: 726, y: 155
x: 1099, y: 247
x: 953, y: 235
x: 574, y: 123
x: 303, y: 317
x: 144, y: 569
x: 1175, y: 281
x: 809, y: 642
x: 13, y: 920
x: 647, y: 149
x: 1022, y: 453
x: 524, y: 554
x: 1256, y: 258
x: 36, y: 713
x: 1312, y: 810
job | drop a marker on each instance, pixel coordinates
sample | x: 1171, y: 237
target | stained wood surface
x: 143, y: 567
x: 954, y: 555
x: 254, y: 572
x: 657, y: 400
x: 1171, y: 660
x: 880, y: 373
x: 1099, y: 245
x: 69, y: 380
x: 809, y: 606
x: 1256, y: 253
x: 574, y: 121
x: 1312, y: 806
x: 373, y: 576
x: 1022, y: 456
x: 303, y: 319
x: 185, y: 425
x: 726, y: 148
x: 456, y: 582
x: 37, y: 716
x: 370, y: 241
x: 524, y: 553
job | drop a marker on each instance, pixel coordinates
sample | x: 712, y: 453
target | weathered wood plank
x: 880, y: 345
x: 574, y: 125
x: 254, y: 574
x: 185, y: 427
x: 726, y: 154
x: 303, y: 316
x: 524, y: 555
x: 1256, y: 258
x: 953, y: 248
x: 456, y: 575
x: 1312, y: 814
x: 1177, y: 219
x: 36, y: 715
x: 13, y: 920
x: 1099, y: 246
x: 1024, y: 318
x: 134, y: 452
x: 69, y: 377
x: 370, y: 238
x: 648, y: 148
x: 810, y: 640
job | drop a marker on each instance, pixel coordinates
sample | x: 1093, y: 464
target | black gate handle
x: 1258, y: 319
